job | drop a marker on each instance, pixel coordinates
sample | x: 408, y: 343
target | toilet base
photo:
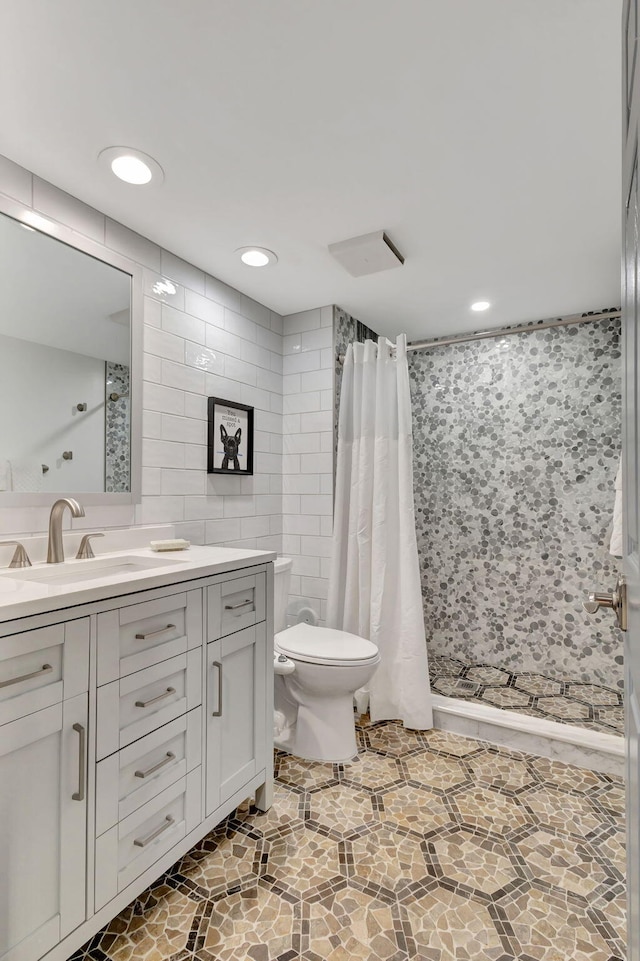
x: 324, y: 731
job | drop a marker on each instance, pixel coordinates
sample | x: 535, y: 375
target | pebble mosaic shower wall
x: 346, y: 330
x: 516, y: 444
x: 117, y: 428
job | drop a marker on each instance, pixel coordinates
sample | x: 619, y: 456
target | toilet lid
x: 323, y: 645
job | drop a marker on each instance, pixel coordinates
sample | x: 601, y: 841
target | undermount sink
x: 73, y: 572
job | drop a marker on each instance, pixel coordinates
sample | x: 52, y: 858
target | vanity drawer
x: 136, y: 774
x: 43, y: 667
x: 140, y: 635
x: 130, y: 847
x: 138, y: 704
x: 235, y: 604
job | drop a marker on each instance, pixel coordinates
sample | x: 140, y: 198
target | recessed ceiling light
x: 131, y: 169
x: 481, y: 305
x: 132, y: 166
x: 257, y: 256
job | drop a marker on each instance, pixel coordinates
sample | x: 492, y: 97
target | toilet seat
x: 323, y: 645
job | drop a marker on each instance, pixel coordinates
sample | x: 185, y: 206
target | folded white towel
x: 616, y: 545
x: 26, y: 477
x: 5, y: 475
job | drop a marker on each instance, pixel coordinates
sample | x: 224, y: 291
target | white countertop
x: 23, y: 598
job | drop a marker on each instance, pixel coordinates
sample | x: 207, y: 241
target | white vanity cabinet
x: 236, y: 669
x: 43, y: 787
x: 149, y: 681
x: 129, y: 727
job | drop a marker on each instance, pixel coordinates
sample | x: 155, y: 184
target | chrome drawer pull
x: 142, y: 842
x: 169, y: 691
x: 236, y: 607
x: 218, y: 713
x: 82, y: 769
x: 163, y: 630
x: 27, y: 677
x: 170, y: 756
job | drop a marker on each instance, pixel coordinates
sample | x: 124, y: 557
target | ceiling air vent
x: 368, y: 254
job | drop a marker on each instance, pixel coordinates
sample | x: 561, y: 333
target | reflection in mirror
x: 65, y: 343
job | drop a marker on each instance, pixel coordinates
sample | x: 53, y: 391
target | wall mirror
x: 69, y: 323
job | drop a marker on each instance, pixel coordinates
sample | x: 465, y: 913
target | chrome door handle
x: 237, y: 607
x: 218, y: 712
x: 82, y: 763
x: 162, y: 630
x: 142, y: 842
x: 596, y: 601
x: 160, y: 697
x: 169, y: 756
x: 616, y: 600
x: 27, y: 677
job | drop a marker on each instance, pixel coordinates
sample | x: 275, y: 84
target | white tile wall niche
x: 206, y: 339
x: 307, y: 463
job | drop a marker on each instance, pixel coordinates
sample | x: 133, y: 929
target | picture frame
x: 229, y: 438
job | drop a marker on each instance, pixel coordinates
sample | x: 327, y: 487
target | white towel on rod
x: 26, y: 477
x: 616, y: 545
x: 5, y: 475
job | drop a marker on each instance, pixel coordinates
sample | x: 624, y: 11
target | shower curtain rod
x: 505, y: 331
x: 521, y: 329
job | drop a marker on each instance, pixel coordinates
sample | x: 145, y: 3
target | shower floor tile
x: 428, y: 846
x: 567, y: 702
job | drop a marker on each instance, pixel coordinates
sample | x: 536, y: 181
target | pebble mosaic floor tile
x: 427, y: 847
x: 568, y: 702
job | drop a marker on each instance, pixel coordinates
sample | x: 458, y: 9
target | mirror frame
x: 72, y: 238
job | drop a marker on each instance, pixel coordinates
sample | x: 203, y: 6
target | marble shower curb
x: 562, y: 742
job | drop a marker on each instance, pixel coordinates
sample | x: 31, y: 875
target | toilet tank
x: 282, y: 578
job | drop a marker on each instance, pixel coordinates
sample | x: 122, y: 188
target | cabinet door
x: 236, y: 679
x: 43, y: 812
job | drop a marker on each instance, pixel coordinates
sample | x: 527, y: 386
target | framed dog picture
x: 230, y: 437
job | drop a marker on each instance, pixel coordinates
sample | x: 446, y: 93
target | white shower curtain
x: 374, y: 584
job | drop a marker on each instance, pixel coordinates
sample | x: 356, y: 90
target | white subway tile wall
x: 205, y: 339
x: 308, y: 446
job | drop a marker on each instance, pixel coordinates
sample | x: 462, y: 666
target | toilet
x: 317, y: 671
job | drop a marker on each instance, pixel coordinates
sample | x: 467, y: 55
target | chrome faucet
x: 55, y: 550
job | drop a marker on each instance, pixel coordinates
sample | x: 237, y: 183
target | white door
x: 631, y: 443
x: 236, y: 737
x: 43, y: 854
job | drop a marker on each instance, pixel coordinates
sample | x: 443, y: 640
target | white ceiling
x: 482, y: 135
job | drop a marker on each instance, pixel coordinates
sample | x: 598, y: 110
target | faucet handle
x: 85, y: 550
x: 20, y: 557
